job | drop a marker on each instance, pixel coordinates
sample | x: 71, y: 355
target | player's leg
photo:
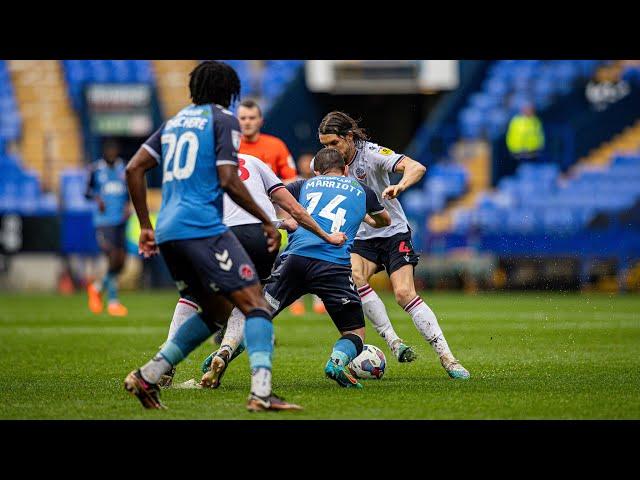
x: 117, y: 257
x: 424, y: 319
x: 241, y: 284
x: 364, y: 266
x: 96, y: 288
x: 185, y: 307
x: 231, y: 343
x: 178, y: 256
x: 334, y: 285
x: 347, y: 347
x: 283, y: 287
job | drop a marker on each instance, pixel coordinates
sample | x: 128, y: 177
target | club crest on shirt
x: 360, y: 173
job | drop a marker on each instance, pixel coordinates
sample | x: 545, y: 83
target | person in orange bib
x: 271, y: 150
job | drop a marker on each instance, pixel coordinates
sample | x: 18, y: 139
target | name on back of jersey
x: 343, y: 183
x: 187, y: 122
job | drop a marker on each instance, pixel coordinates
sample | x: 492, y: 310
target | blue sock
x: 186, y: 339
x: 344, y: 351
x: 258, y: 334
x: 110, y: 283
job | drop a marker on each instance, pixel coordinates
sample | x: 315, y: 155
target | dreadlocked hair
x: 214, y: 82
x: 339, y: 123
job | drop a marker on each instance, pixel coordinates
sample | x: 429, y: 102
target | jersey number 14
x: 338, y: 218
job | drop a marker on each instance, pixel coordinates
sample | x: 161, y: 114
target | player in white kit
x: 390, y: 247
x: 266, y: 189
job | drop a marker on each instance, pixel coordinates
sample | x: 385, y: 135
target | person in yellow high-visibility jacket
x: 525, y: 135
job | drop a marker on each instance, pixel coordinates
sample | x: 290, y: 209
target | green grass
x: 531, y: 356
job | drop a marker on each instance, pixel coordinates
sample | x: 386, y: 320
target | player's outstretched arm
x: 138, y: 165
x: 378, y: 220
x: 412, y: 173
x: 231, y: 183
x: 283, y: 198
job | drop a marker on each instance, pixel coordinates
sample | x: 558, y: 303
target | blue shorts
x: 294, y: 276
x: 208, y: 266
x: 111, y: 237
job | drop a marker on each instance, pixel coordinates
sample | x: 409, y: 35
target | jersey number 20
x: 172, y: 168
x: 338, y: 218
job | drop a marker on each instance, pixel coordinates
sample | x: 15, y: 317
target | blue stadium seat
x: 10, y: 120
x: 471, y: 123
x: 78, y: 73
x: 497, y: 122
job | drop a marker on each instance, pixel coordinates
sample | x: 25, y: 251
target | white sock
x: 261, y: 382
x: 427, y: 324
x: 155, y: 368
x: 184, y: 310
x: 234, y: 333
x: 376, y: 312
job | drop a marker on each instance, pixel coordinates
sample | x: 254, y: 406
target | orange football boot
x: 116, y: 309
x: 95, y: 299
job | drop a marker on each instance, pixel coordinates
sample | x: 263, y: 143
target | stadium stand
x: 510, y: 83
x: 173, y: 83
x: 51, y: 135
x: 265, y: 80
x: 10, y: 120
x: 540, y: 199
x: 20, y: 190
x: 80, y: 72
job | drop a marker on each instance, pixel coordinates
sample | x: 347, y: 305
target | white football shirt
x: 261, y: 183
x: 372, y: 165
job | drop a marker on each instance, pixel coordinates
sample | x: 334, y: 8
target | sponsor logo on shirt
x: 385, y: 151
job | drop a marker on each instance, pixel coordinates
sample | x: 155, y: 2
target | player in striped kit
x: 389, y: 248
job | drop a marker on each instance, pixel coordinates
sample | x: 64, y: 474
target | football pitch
x: 531, y: 356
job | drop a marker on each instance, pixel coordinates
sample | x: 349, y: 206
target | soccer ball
x: 370, y: 364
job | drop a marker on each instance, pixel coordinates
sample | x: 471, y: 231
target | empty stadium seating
x: 538, y: 199
x: 80, y: 72
x: 265, y: 80
x: 10, y: 121
x: 444, y: 182
x: 510, y: 83
x: 20, y: 190
x: 73, y: 183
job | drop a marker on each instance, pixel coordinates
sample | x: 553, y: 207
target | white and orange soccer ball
x: 369, y: 365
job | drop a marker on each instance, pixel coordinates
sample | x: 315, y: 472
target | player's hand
x: 290, y: 225
x: 392, y: 191
x: 147, y: 246
x: 337, y: 239
x: 101, y: 205
x: 273, y: 237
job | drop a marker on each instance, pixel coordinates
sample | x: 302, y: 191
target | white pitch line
x: 538, y: 314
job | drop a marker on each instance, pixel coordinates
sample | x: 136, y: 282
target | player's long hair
x: 339, y: 123
x: 214, y: 82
